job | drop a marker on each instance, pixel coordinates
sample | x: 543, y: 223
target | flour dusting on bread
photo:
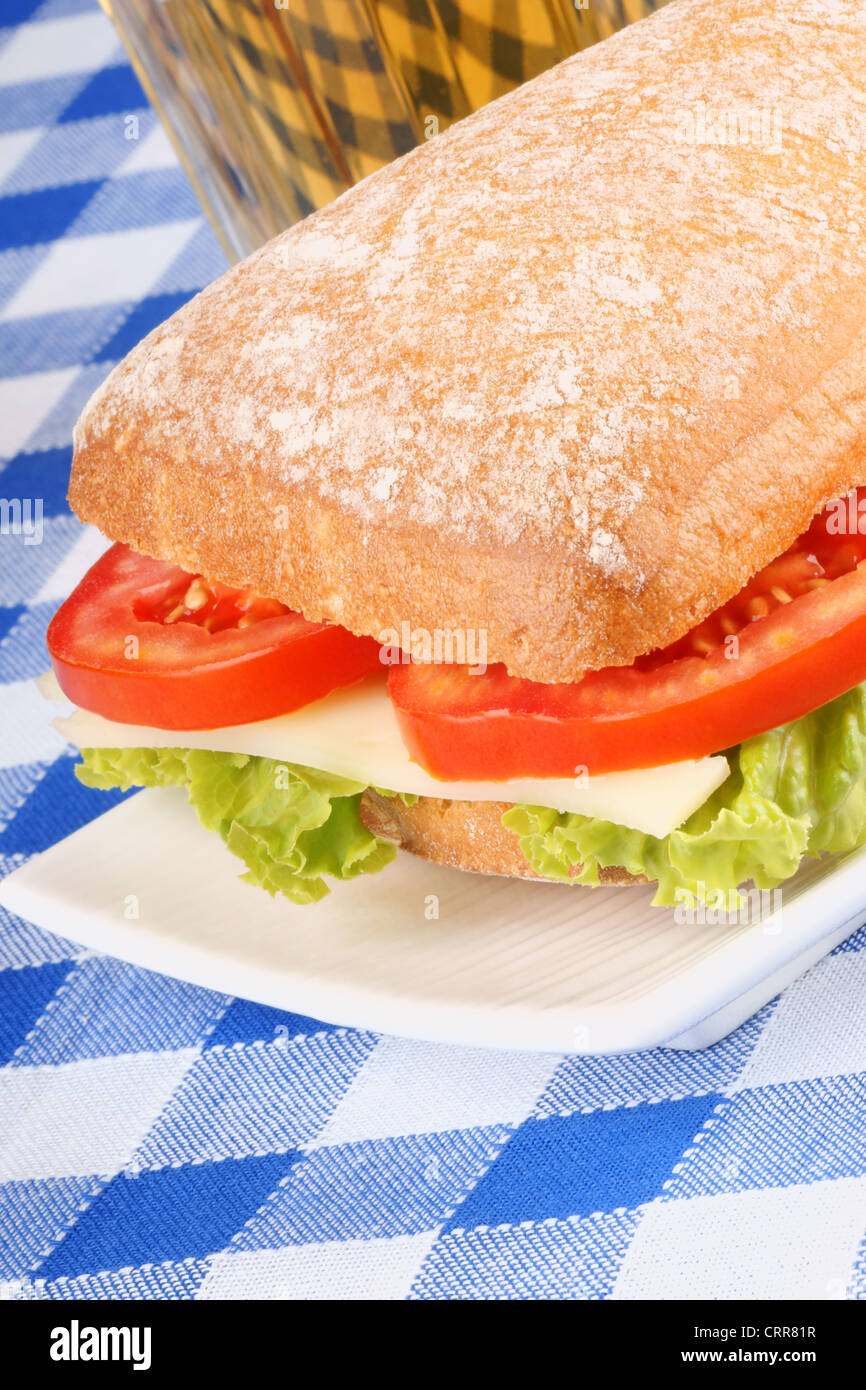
x: 571, y: 371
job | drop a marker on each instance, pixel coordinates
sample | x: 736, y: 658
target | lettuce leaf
x: 794, y: 793
x: 291, y: 826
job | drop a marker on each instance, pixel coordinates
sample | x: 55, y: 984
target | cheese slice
x: 354, y: 733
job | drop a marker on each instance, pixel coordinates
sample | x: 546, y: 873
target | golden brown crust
x: 569, y: 373
x: 461, y: 834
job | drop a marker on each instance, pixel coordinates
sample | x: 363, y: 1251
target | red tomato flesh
x: 792, y: 639
x: 143, y: 642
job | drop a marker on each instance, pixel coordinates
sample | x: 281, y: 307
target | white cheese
x: 354, y: 733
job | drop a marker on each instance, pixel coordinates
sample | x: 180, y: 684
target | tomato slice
x: 143, y: 642
x: 792, y: 639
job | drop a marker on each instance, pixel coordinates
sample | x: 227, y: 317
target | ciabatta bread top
x: 568, y: 373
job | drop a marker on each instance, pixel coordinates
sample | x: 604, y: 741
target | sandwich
x: 511, y: 510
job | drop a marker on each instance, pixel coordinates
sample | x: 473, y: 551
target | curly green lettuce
x: 291, y: 826
x: 794, y: 793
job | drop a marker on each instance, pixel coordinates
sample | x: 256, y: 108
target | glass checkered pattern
x: 277, y: 106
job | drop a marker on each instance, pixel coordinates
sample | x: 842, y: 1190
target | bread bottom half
x: 461, y: 834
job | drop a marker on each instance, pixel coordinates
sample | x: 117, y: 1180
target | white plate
x: 505, y: 964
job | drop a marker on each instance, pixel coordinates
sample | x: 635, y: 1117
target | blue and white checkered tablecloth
x: 153, y: 1141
